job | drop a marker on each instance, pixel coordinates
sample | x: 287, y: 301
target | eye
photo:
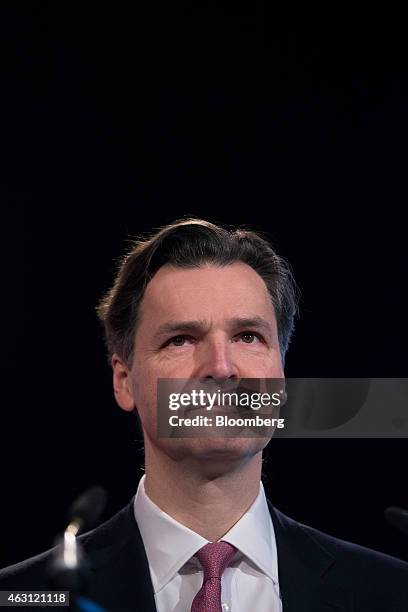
x: 248, y: 337
x: 177, y: 340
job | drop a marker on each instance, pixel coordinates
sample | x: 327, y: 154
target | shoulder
x: 32, y: 573
x: 376, y: 578
x: 29, y: 574
x: 371, y: 575
x: 356, y: 557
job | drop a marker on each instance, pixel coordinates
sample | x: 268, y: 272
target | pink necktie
x: 214, y: 558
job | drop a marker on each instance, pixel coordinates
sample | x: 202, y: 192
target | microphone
x: 397, y: 517
x: 86, y: 510
x: 68, y: 569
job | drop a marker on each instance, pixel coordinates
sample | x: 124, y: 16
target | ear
x: 121, y: 384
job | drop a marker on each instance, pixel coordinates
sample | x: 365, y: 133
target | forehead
x: 209, y: 292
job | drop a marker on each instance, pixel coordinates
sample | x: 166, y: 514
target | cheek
x: 145, y: 396
x: 274, y: 366
x: 261, y: 364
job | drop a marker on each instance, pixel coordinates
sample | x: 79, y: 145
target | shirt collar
x: 169, y: 544
x: 254, y: 536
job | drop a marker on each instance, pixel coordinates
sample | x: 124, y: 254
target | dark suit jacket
x: 317, y: 573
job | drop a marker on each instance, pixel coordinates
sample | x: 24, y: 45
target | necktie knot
x: 214, y: 558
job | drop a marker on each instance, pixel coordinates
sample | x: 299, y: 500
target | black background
x: 116, y: 122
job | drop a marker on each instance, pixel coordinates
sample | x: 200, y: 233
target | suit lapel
x: 308, y: 579
x: 120, y: 576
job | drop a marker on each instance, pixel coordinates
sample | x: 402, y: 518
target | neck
x: 207, y: 497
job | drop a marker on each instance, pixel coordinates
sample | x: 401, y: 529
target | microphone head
x: 397, y: 517
x: 88, y: 507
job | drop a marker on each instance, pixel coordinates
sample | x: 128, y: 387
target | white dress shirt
x: 249, y: 583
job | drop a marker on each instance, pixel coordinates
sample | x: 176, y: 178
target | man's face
x: 212, y: 323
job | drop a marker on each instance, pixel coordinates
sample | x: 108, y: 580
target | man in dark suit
x: 196, y: 301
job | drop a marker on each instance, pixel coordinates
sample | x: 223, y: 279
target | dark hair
x: 191, y: 243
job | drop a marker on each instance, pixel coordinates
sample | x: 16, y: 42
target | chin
x: 218, y: 448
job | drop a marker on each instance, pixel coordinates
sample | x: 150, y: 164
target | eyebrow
x: 254, y: 322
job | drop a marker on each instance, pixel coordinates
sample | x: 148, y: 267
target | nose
x: 216, y: 361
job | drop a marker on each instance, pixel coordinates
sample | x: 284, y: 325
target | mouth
x: 209, y: 410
